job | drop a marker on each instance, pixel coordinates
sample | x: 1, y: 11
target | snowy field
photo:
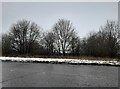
x: 55, y: 60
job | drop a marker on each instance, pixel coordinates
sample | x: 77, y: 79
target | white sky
x: 85, y: 16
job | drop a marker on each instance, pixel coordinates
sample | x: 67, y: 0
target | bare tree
x: 75, y: 45
x: 23, y: 36
x: 105, y: 42
x: 112, y: 33
x: 6, y: 45
x: 63, y: 31
x: 48, y: 42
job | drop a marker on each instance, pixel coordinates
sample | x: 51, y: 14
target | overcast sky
x: 85, y: 16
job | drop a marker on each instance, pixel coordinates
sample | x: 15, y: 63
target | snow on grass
x: 55, y: 60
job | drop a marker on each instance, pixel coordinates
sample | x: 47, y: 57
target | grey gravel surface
x: 15, y: 74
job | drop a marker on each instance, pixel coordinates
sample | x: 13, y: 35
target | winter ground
x: 36, y: 72
x: 17, y: 74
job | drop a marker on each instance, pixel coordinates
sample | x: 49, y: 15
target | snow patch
x: 55, y: 60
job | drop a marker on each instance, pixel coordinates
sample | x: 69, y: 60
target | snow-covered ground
x: 55, y: 60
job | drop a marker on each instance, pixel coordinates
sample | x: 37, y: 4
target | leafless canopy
x: 63, y: 32
x: 23, y: 35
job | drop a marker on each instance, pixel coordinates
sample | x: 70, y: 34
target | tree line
x: 27, y: 38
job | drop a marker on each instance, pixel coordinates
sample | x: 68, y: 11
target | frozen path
x: 15, y: 74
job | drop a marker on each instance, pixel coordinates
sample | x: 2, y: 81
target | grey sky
x: 85, y: 16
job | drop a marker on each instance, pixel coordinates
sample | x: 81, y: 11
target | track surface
x: 16, y: 74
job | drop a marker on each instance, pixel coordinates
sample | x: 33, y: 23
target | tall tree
x: 111, y: 31
x: 23, y: 36
x: 105, y: 42
x: 63, y: 31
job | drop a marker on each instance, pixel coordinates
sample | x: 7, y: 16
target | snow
x: 55, y: 60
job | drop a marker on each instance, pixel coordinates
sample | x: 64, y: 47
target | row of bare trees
x: 105, y: 42
x: 27, y: 38
x: 62, y: 40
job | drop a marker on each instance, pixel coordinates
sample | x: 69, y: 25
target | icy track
x: 55, y: 60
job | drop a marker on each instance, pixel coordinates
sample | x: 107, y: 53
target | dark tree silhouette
x: 48, y: 42
x: 23, y: 35
x: 6, y: 45
x: 105, y: 42
x: 25, y: 38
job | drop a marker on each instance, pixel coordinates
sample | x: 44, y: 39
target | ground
x: 16, y: 74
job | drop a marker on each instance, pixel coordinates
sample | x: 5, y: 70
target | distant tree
x: 48, y: 42
x: 0, y: 47
x: 23, y: 35
x: 105, y: 42
x: 75, y: 45
x: 83, y: 48
x: 63, y: 32
x: 111, y: 32
x: 6, y: 45
x: 91, y: 46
